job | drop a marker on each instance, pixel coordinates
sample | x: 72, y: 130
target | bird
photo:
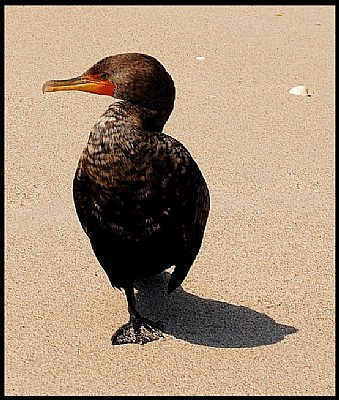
x: 139, y: 195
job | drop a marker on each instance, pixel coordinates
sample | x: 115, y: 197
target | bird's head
x: 137, y: 78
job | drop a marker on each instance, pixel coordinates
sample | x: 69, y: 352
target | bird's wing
x: 192, y: 202
x: 81, y: 195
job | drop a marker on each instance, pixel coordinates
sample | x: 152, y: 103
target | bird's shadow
x: 204, y: 321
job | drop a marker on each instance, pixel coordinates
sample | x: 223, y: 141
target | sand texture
x: 255, y: 316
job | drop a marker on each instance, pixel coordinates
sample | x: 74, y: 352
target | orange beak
x: 85, y: 83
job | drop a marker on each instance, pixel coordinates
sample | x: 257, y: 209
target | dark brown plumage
x: 138, y: 193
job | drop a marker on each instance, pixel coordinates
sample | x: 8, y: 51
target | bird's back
x: 140, y: 198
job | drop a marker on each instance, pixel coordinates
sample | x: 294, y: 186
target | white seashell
x: 200, y: 58
x: 300, y: 90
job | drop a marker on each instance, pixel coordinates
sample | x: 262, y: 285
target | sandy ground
x: 255, y: 316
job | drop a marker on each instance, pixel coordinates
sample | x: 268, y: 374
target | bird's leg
x: 132, y: 307
x: 138, y: 330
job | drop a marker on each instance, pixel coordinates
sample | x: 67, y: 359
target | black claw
x: 138, y: 331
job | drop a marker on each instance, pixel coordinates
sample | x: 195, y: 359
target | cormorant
x: 139, y: 195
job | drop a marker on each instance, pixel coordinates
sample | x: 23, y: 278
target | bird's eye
x: 104, y: 76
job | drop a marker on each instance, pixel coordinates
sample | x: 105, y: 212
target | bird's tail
x: 178, y: 275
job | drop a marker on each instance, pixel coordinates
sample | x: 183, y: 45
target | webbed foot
x: 138, y: 330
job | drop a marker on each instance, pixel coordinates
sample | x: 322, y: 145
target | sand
x: 255, y: 315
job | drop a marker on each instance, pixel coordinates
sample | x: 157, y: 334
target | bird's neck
x: 125, y: 116
x: 119, y: 135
